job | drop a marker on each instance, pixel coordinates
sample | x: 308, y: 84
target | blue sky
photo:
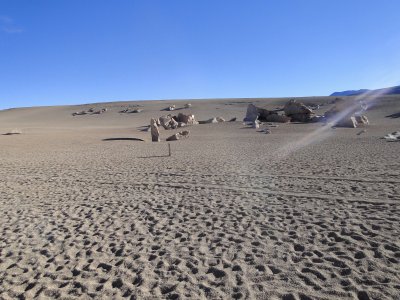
x: 79, y: 51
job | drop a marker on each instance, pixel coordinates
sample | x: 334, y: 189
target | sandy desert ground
x: 306, y: 212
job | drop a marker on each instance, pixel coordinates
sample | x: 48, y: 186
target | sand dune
x: 232, y: 214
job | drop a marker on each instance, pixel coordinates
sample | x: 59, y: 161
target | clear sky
x: 78, y: 51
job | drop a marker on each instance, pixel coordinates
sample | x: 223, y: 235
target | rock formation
x: 298, y: 112
x: 172, y: 122
x: 346, y: 114
x: 187, y: 119
x: 164, y: 121
x: 253, y: 113
x: 90, y: 111
x: 361, y: 120
x: 155, y: 133
x: 277, y: 118
x: 179, y: 135
x: 348, y: 121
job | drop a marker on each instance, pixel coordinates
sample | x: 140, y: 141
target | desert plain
x: 88, y: 211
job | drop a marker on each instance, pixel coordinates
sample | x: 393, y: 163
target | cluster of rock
x: 257, y: 113
x: 168, y: 122
x: 171, y: 122
x: 186, y: 119
x: 90, y: 111
x: 299, y: 112
x: 346, y: 114
x: 343, y: 114
x: 155, y: 133
x: 352, y: 121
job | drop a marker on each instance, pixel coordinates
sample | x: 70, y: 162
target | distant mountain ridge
x: 384, y: 91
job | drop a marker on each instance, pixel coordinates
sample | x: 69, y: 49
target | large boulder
x: 349, y: 122
x: 277, y: 118
x: 179, y: 135
x: 297, y: 111
x: 293, y: 107
x: 303, y: 118
x: 164, y: 121
x: 258, y: 113
x: 263, y: 113
x: 251, y: 114
x: 361, y: 120
x: 346, y: 107
x: 168, y: 122
x: 173, y: 124
x: 346, y: 113
x: 187, y: 119
x: 155, y: 133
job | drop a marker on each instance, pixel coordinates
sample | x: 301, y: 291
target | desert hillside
x: 305, y: 212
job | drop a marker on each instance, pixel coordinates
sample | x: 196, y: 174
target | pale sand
x: 233, y: 214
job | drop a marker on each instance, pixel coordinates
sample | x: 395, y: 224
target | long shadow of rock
x: 394, y: 116
x: 154, y: 156
x: 122, y: 139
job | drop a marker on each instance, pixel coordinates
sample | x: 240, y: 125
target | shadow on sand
x: 394, y: 116
x: 154, y: 156
x: 122, y: 139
